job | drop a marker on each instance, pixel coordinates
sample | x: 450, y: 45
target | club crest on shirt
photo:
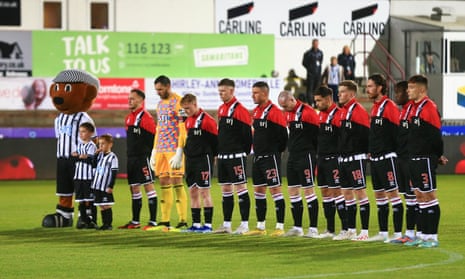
x: 66, y: 129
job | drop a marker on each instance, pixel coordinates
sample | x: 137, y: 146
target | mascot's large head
x: 73, y: 91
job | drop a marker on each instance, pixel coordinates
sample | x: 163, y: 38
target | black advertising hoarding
x: 10, y: 12
x: 26, y: 158
x: 23, y: 159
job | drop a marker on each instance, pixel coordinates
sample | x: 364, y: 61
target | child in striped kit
x: 104, y: 180
x: 83, y: 176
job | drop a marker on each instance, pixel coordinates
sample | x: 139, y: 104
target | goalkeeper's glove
x: 176, y: 161
x: 152, y: 159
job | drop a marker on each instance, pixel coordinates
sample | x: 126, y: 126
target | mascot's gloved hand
x: 152, y: 159
x: 176, y: 161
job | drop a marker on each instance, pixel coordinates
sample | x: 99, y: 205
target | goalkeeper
x: 167, y: 155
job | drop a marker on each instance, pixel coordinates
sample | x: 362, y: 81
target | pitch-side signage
x: 331, y: 19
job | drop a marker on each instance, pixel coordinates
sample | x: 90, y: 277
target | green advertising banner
x: 129, y: 54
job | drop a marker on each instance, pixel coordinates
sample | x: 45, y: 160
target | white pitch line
x: 453, y: 257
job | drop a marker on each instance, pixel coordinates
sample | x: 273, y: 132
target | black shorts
x: 199, y: 171
x: 232, y: 169
x: 103, y: 198
x: 139, y: 171
x: 423, y: 173
x: 82, y: 191
x: 65, y: 177
x: 301, y: 170
x: 403, y: 176
x: 353, y: 173
x: 328, y: 173
x: 266, y: 170
x: 384, y: 174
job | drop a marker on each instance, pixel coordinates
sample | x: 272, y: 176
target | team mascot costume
x: 72, y: 94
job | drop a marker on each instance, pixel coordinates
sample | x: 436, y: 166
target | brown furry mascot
x: 72, y: 93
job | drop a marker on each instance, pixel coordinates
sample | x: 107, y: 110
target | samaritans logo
x: 461, y: 96
x: 221, y: 56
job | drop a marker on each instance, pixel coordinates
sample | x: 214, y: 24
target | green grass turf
x: 29, y: 251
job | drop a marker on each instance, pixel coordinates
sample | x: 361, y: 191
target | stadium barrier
x: 26, y: 158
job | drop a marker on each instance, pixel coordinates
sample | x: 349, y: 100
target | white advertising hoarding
x: 206, y: 90
x: 33, y: 93
x: 329, y: 19
x: 453, y: 106
x: 25, y: 94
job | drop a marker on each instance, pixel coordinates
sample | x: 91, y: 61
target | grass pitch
x: 29, y: 251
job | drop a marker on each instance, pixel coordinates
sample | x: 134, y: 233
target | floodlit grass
x: 29, y: 251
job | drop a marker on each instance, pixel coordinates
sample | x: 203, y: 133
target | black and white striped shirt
x: 84, y: 169
x: 107, y: 164
x: 67, y: 132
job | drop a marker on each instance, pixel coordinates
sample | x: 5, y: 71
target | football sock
x: 340, y: 204
x: 260, y: 206
x: 397, y: 214
x: 365, y: 213
x: 66, y: 212
x: 383, y: 214
x: 93, y: 212
x: 228, y: 206
x: 280, y: 207
x: 312, y: 206
x: 420, y: 221
x: 110, y: 216
x: 208, y: 214
x: 88, y: 208
x: 83, y: 212
x: 136, y: 206
x: 436, y: 216
x: 104, y: 216
x: 424, y: 218
x: 351, y: 210
x: 181, y: 202
x: 107, y: 217
x: 244, y: 204
x: 297, y: 210
x: 411, y: 212
x: 196, y: 215
x: 431, y: 212
x: 153, y: 201
x: 329, y: 209
x: 166, y: 202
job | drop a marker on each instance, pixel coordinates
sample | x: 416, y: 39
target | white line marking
x: 453, y: 257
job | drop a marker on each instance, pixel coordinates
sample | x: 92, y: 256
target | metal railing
x: 386, y: 64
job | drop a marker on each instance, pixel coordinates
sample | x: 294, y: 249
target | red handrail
x: 390, y: 60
